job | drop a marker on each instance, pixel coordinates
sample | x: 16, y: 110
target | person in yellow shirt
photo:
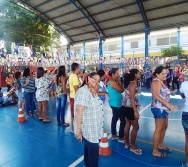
x: 74, y: 85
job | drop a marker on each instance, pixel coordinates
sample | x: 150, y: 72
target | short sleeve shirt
x: 93, y: 115
x: 184, y: 90
x: 73, y: 81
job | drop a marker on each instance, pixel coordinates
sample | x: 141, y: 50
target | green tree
x: 173, y: 51
x: 24, y: 27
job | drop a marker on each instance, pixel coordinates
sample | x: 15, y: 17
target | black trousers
x: 91, y: 153
x: 175, y: 81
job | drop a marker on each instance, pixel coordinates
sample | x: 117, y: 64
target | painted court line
x: 168, y: 119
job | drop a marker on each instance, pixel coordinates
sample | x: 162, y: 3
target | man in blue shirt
x: 148, y: 78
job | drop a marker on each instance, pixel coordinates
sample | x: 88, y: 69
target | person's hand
x: 138, y: 107
x: 136, y: 115
x: 118, y: 79
x: 172, y: 107
x: 27, y: 80
x: 79, y: 134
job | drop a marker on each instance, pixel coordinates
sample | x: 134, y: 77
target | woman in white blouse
x: 88, y: 121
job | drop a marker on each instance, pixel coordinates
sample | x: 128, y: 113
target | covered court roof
x: 87, y: 20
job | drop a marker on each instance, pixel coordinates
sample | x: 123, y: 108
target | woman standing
x: 61, y: 95
x: 130, y: 108
x: 42, y: 95
x: 17, y: 84
x: 115, y: 90
x: 28, y: 83
x: 160, y: 107
x: 88, y: 120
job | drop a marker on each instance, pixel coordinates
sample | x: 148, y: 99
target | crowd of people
x: 88, y: 92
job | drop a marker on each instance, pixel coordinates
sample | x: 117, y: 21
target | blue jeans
x: 29, y: 102
x: 61, y: 105
x: 118, y: 114
x: 20, y: 97
x: 91, y: 153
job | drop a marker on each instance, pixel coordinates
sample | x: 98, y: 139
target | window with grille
x: 173, y: 40
x: 162, y: 41
x: 134, y: 44
x: 111, y: 47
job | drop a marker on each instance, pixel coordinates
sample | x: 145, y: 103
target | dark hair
x: 130, y: 76
x: 158, y: 70
x: 17, y: 74
x: 55, y: 71
x: 74, y: 66
x: 60, y: 73
x: 40, y: 72
x: 113, y: 71
x: 86, y: 79
x: 101, y: 73
x: 26, y: 72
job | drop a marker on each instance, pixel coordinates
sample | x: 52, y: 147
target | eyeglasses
x: 96, y: 79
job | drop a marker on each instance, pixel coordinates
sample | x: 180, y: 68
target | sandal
x: 65, y: 124
x: 167, y: 149
x: 27, y: 117
x: 46, y: 121
x: 136, y: 151
x: 162, y: 155
x: 33, y: 115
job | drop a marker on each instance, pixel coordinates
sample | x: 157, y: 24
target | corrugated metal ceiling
x: 86, y: 20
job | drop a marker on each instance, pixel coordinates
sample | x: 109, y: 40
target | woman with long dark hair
x: 160, y: 107
x: 61, y: 95
x: 42, y: 94
x: 130, y: 108
x: 115, y: 90
x: 28, y: 83
x: 88, y: 120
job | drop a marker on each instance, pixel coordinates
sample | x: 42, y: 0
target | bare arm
x: 63, y: 81
x: 117, y: 85
x: 79, y: 110
x: 132, y: 92
x: 76, y: 88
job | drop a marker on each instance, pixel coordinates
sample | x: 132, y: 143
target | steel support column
x: 84, y: 48
x: 100, y: 52
x: 147, y: 27
x: 68, y: 50
x: 122, y: 51
x: 178, y: 44
x: 146, y: 48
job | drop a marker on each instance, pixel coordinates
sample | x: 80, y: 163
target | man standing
x: 74, y: 85
x: 148, y: 78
